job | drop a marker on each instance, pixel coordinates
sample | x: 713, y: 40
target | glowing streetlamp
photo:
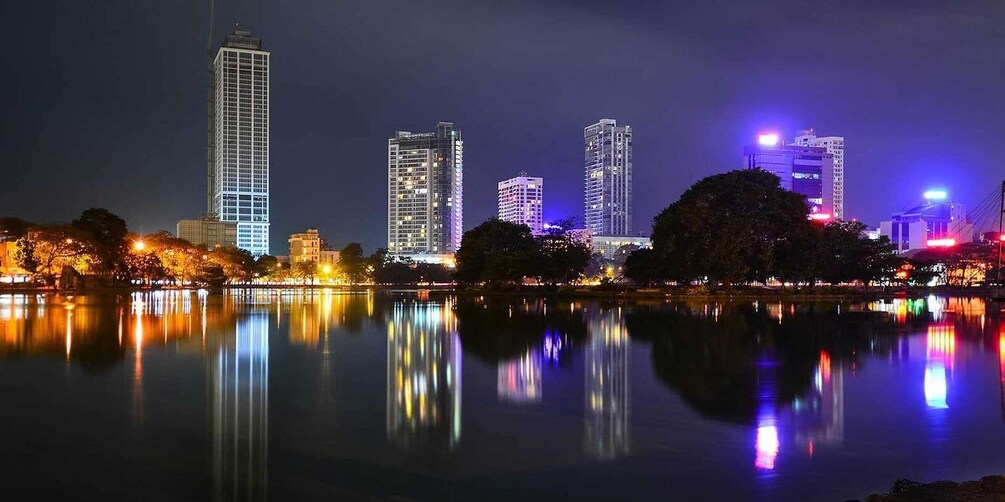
x: 139, y: 245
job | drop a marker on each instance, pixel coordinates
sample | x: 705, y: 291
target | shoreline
x: 585, y: 292
x: 988, y: 488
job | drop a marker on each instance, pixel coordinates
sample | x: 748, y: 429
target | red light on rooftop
x: 941, y: 243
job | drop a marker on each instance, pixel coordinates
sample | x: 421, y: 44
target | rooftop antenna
x: 210, y: 115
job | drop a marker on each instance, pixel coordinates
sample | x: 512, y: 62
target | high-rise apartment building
x: 835, y: 147
x: 425, y: 198
x: 608, y: 178
x: 806, y: 170
x: 521, y: 200
x: 239, y: 140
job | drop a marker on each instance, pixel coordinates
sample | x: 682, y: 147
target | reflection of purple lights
x: 935, y: 385
x: 766, y: 446
x: 552, y: 346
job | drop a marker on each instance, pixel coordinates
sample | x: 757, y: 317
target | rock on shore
x: 990, y: 488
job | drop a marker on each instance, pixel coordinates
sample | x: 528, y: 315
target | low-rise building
x: 305, y: 246
x: 608, y: 245
x: 208, y: 232
x: 936, y: 222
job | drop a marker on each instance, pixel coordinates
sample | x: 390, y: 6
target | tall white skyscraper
x: 521, y: 200
x: 239, y: 140
x: 425, y: 201
x: 835, y: 147
x: 608, y: 178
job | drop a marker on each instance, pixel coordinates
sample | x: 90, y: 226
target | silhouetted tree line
x: 498, y: 251
x: 743, y: 227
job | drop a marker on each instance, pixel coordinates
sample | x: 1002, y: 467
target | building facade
x: 608, y: 178
x: 425, y: 194
x: 208, y: 232
x: 936, y: 222
x: 305, y: 246
x: 521, y: 201
x: 607, y: 245
x: 806, y: 170
x: 239, y: 146
x: 834, y: 146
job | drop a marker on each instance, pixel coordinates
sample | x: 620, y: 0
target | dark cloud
x: 104, y: 102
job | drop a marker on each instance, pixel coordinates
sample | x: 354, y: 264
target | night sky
x: 104, y: 102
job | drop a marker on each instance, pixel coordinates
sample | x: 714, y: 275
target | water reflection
x: 608, y: 398
x: 519, y: 379
x: 423, y: 376
x: 238, y: 374
x: 769, y: 378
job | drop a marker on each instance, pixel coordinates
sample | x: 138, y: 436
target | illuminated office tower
x: 608, y: 178
x: 239, y: 407
x: 835, y: 147
x: 521, y: 201
x: 423, y: 377
x: 607, y: 428
x: 425, y: 202
x: 238, y: 177
x: 805, y: 170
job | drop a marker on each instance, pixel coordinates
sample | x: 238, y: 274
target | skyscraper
x: 608, y: 178
x: 425, y: 199
x: 238, y: 178
x: 806, y: 170
x: 521, y: 200
x: 835, y: 147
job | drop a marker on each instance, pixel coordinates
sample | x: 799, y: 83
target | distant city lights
x: 821, y: 216
x: 768, y: 139
x: 935, y: 195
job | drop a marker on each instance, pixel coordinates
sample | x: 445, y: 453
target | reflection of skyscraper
x: 423, y: 377
x: 519, y: 379
x: 239, y: 403
x: 819, y: 419
x: 939, y: 355
x: 607, y: 432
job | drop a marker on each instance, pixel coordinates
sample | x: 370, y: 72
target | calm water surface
x: 291, y: 394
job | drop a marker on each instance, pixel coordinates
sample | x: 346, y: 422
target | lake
x: 291, y: 394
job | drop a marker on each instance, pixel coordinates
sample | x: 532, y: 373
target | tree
x: 496, y: 250
x: 851, y: 256
x: 266, y: 266
x: 55, y: 247
x: 727, y: 227
x: 13, y: 228
x: 642, y: 267
x: 352, y: 263
x: 25, y: 255
x: 108, y: 238
x: 563, y: 259
x: 238, y: 264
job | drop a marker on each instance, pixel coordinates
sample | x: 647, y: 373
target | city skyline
x: 148, y: 102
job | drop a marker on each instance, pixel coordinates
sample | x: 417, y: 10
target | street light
x: 139, y: 245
